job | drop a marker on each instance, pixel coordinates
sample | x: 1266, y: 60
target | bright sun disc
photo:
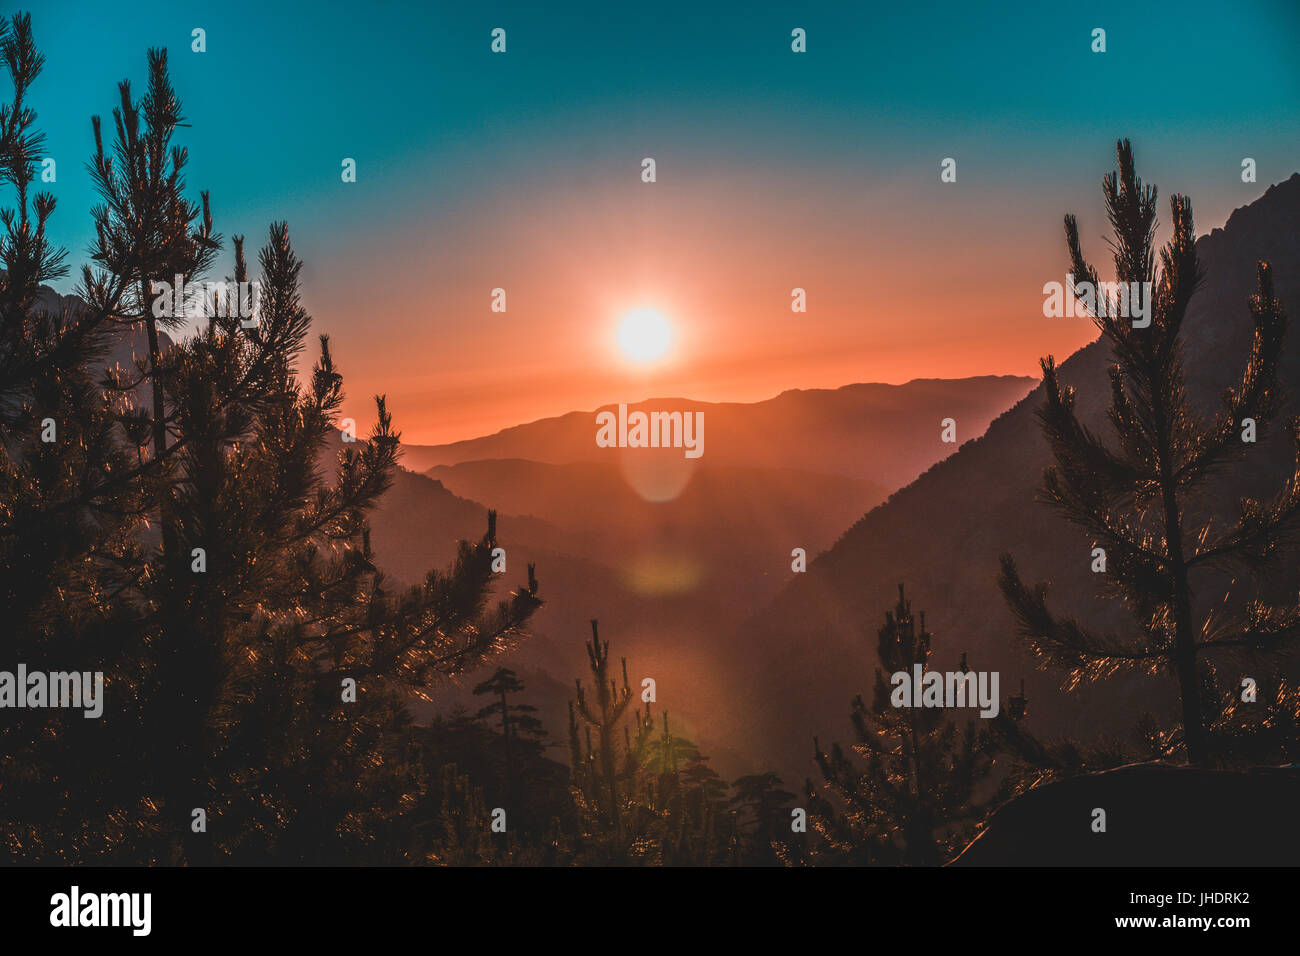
x: 644, y: 335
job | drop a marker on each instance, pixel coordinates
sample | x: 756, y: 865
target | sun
x: 644, y: 336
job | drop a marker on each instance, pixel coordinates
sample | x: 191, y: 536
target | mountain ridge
x: 942, y: 533
x: 834, y: 431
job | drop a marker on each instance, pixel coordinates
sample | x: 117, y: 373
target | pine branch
x: 1064, y: 641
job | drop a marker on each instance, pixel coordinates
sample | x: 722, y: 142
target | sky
x: 775, y: 170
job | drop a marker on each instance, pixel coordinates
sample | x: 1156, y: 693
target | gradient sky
x: 775, y: 170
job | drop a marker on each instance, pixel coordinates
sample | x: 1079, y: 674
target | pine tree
x: 465, y: 838
x: 596, y: 772
x: 652, y: 801
x: 924, y: 784
x: 681, y: 803
x: 257, y: 663
x: 1148, y: 501
x: 1031, y: 762
x: 68, y: 509
x: 522, y: 737
x: 765, y: 816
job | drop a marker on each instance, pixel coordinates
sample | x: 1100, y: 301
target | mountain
x: 887, y: 434
x: 419, y: 524
x: 670, y: 554
x: 724, y: 531
x: 812, y: 647
x: 671, y: 636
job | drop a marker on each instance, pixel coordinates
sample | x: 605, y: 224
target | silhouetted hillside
x: 943, y: 533
x: 724, y: 531
x: 672, y: 636
x: 672, y: 553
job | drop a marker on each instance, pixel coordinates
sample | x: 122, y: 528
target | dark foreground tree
x: 523, y: 778
x: 923, y: 783
x: 642, y: 797
x: 763, y: 818
x: 1148, y: 496
x: 195, y: 529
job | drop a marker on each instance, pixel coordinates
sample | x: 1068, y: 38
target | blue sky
x: 412, y: 91
x: 449, y: 137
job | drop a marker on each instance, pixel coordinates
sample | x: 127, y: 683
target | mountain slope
x: 671, y: 553
x: 942, y: 534
x: 727, y: 531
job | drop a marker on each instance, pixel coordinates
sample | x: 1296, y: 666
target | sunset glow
x: 754, y: 196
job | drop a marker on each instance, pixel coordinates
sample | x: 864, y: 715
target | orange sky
x: 890, y: 297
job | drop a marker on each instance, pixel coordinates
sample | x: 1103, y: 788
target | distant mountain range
x: 887, y: 434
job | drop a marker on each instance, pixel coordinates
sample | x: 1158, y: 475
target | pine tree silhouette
x: 654, y: 801
x: 1146, y: 501
x: 68, y: 547
x: 521, y: 732
x: 194, y: 549
x: 766, y: 816
x: 681, y: 804
x: 596, y: 772
x: 923, y: 786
